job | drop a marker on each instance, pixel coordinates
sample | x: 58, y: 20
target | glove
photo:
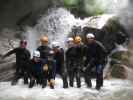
x: 52, y: 81
x: 45, y: 67
x: 84, y: 69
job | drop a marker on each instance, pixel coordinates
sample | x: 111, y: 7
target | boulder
x: 7, y: 70
x: 119, y: 71
x: 120, y: 57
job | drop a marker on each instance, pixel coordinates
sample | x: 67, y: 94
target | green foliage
x: 92, y: 7
x: 84, y: 7
x: 71, y: 2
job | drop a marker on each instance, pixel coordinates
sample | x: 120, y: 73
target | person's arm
x: 28, y: 54
x: 9, y: 53
x: 103, y: 54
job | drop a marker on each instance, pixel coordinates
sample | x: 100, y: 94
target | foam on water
x: 22, y: 92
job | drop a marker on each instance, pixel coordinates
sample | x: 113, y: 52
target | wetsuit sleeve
x: 39, y: 48
x: 103, y: 53
x: 28, y: 54
x: 10, y: 52
x: 62, y: 59
x: 85, y: 54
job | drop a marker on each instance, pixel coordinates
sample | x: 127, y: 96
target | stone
x: 119, y: 71
x: 121, y: 57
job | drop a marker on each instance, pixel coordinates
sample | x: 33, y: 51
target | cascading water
x: 57, y: 25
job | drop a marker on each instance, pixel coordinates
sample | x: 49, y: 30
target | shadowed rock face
x: 112, y: 33
x: 23, y: 12
x: 7, y: 65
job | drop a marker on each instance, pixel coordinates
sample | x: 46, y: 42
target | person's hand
x: 84, y: 69
x: 52, y: 81
x: 45, y: 67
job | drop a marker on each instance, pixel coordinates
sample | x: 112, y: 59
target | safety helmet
x: 36, y: 53
x: 55, y: 44
x: 51, y: 52
x: 78, y: 39
x: 44, y: 39
x: 70, y: 39
x: 90, y: 36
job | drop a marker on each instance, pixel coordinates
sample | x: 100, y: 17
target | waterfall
x: 57, y: 24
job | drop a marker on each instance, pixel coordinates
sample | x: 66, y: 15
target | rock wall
x: 7, y: 65
x: 15, y: 13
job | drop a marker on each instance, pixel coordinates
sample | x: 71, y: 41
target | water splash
x: 119, y: 48
x: 112, y: 6
x: 96, y: 21
x: 112, y: 90
x: 58, y: 23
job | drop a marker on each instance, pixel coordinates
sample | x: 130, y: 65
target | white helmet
x: 55, y: 44
x: 51, y: 52
x: 36, y: 53
x: 70, y: 39
x: 90, y: 35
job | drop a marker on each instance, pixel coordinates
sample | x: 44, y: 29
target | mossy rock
x: 122, y: 56
x: 119, y: 71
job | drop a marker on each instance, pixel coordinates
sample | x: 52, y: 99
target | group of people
x: 76, y: 61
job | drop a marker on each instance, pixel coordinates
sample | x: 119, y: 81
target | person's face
x: 70, y: 44
x: 77, y: 44
x: 56, y: 49
x: 44, y: 43
x: 90, y: 40
x: 23, y: 45
x: 36, y: 59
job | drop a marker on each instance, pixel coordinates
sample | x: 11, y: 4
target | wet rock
x: 16, y: 13
x: 7, y: 71
x: 120, y: 57
x: 7, y: 65
x: 107, y: 29
x: 119, y: 63
x: 119, y: 71
x: 113, y: 33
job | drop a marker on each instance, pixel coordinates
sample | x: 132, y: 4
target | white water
x: 57, y: 24
x: 112, y: 90
x: 120, y: 48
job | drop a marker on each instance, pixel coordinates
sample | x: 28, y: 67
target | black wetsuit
x: 22, y: 60
x: 74, y: 61
x: 60, y: 66
x: 96, y: 55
